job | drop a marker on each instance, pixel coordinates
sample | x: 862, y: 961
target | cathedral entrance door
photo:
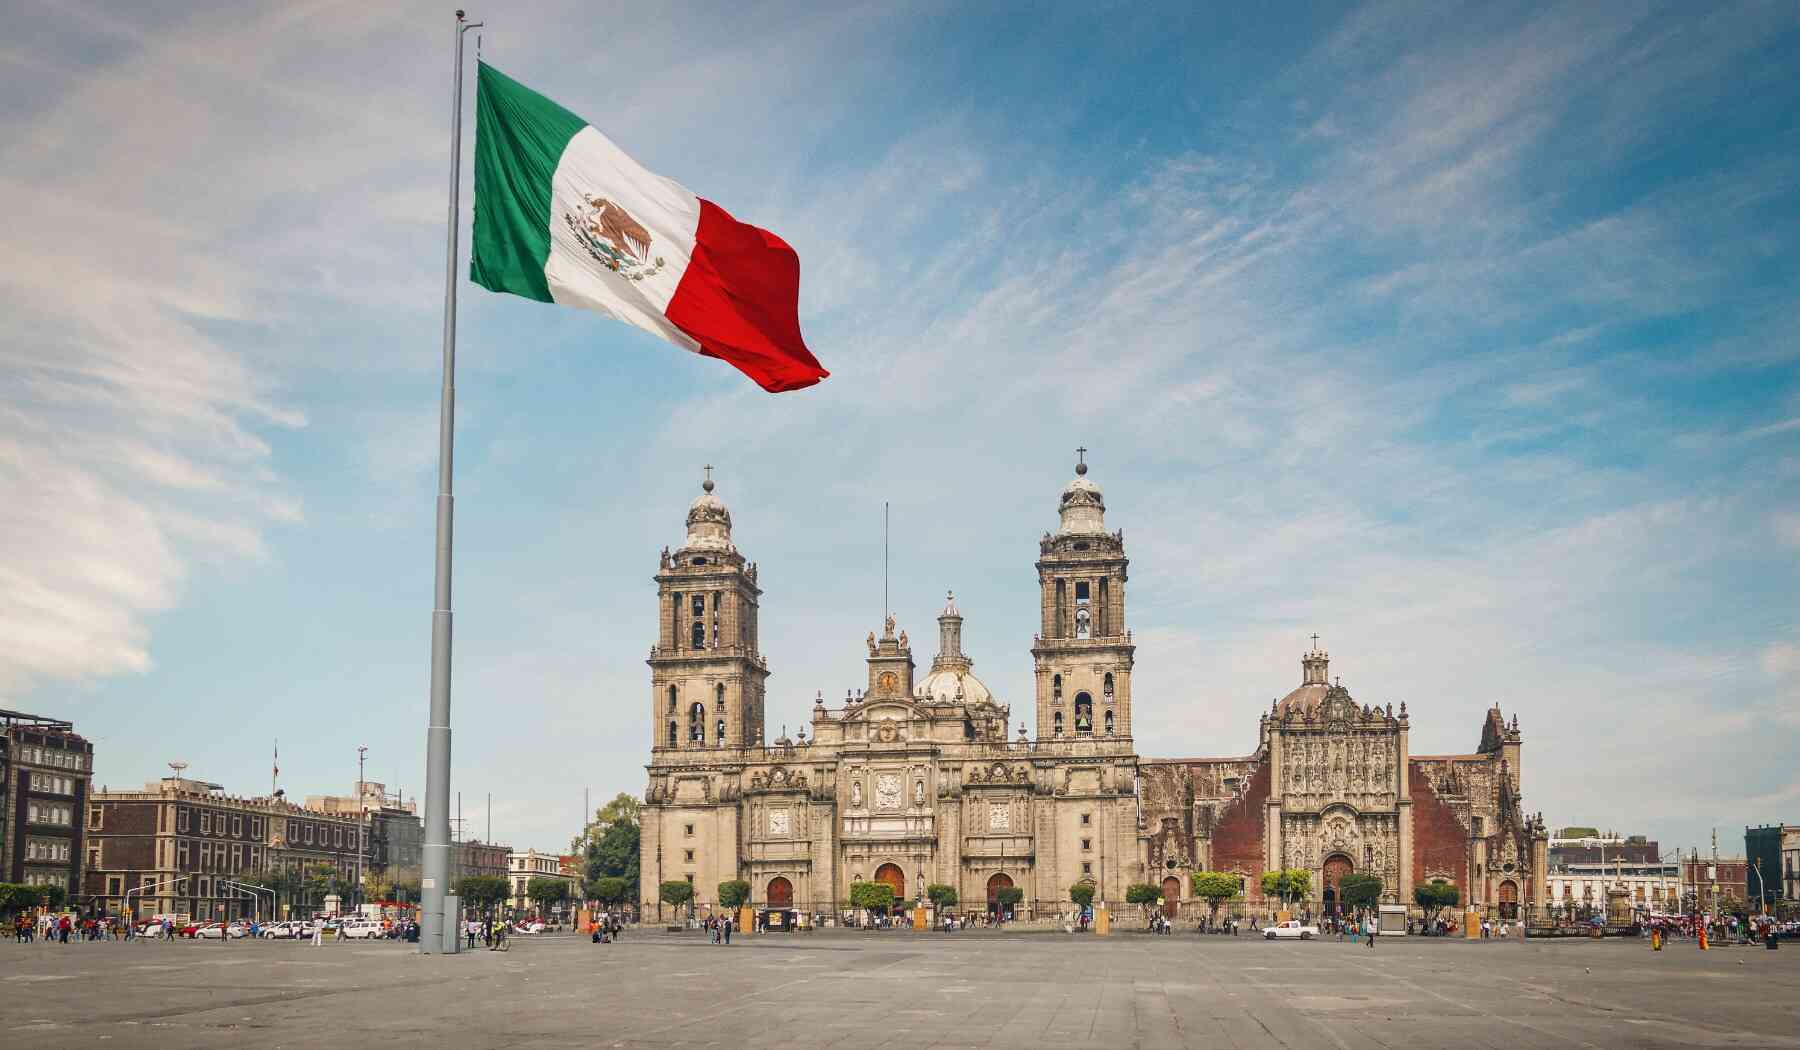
x: 1000, y: 881
x: 1509, y: 900
x: 781, y: 893
x: 1336, y: 867
x: 895, y: 878
x: 1171, y: 894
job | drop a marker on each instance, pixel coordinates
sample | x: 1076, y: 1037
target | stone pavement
x: 901, y: 989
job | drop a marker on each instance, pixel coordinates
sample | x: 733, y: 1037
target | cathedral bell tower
x: 1083, y: 652
x: 707, y: 675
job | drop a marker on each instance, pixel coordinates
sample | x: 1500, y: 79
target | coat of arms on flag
x: 615, y: 239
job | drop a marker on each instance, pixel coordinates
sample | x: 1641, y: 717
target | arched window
x: 1109, y: 723
x: 1056, y: 688
x: 1058, y: 723
x: 672, y: 728
x: 1082, y: 626
x: 1062, y: 625
x: 1084, y: 713
x: 699, y: 636
x: 697, y: 724
x: 1106, y: 689
x: 720, y: 737
x: 719, y: 694
x: 671, y: 699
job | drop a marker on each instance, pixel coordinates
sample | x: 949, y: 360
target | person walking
x: 318, y: 932
x: 1370, y: 928
x: 727, y: 929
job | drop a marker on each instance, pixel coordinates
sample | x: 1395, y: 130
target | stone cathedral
x: 913, y: 779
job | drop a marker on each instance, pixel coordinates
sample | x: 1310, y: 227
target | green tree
x: 1082, y: 893
x: 1360, y: 890
x: 1434, y: 896
x: 1215, y: 888
x: 1143, y: 894
x: 871, y: 896
x: 733, y: 893
x: 621, y: 811
x: 675, y: 893
x: 1287, y: 884
x: 943, y: 896
x: 547, y: 891
x: 1008, y: 898
x: 52, y: 896
x: 482, y: 892
x: 616, y: 851
x: 609, y: 890
x: 12, y: 897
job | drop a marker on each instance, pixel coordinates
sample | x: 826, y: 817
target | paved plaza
x: 901, y: 989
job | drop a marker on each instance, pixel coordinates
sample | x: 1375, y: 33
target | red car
x: 189, y: 929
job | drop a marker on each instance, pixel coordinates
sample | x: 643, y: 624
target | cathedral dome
x: 1083, y: 507
x: 708, y: 521
x: 956, y: 686
x: 1315, y: 685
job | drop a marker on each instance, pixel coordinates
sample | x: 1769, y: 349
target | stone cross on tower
x: 708, y: 483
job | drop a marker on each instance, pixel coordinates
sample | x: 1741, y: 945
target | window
x: 1084, y: 713
x: 699, y: 638
x: 697, y: 724
x: 719, y: 737
x: 699, y: 605
x: 687, y: 855
x: 689, y: 829
x: 205, y: 823
x: 672, y: 731
x: 237, y: 827
x: 1106, y: 689
x: 1087, y: 868
x: 1087, y: 818
x: 671, y: 699
x: 181, y: 819
x: 1056, y: 689
x: 309, y: 834
x: 94, y: 817
x: 1057, y: 723
x: 1109, y: 723
x: 719, y: 696
x: 1083, y: 616
x: 1087, y: 844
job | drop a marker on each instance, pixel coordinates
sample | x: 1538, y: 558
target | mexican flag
x: 562, y: 215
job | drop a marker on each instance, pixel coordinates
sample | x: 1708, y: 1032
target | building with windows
x: 184, y: 846
x: 525, y: 865
x: 1769, y: 855
x: 396, y: 835
x: 915, y: 778
x: 1713, y: 883
x: 45, y: 777
x: 475, y: 857
x: 1583, y: 868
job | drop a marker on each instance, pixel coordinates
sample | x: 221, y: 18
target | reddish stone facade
x: 1440, y: 842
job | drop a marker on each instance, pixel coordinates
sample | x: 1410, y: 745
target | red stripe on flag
x: 740, y: 300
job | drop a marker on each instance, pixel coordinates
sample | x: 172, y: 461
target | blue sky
x: 1463, y: 336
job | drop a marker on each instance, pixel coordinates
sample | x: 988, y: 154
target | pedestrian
x: 728, y: 929
x: 1370, y: 927
x: 469, y: 928
x: 318, y: 932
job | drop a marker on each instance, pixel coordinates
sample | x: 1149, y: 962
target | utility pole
x: 362, y: 818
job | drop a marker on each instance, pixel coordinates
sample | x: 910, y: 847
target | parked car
x: 1290, y: 928
x: 188, y: 929
x: 362, y: 929
x: 213, y: 931
x: 281, y: 930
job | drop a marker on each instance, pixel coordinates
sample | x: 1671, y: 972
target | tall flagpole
x: 435, y: 871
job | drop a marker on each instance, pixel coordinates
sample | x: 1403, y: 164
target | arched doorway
x: 781, y: 893
x: 1000, y: 881
x: 1171, y: 893
x: 1509, y: 900
x: 895, y: 878
x: 1336, y: 867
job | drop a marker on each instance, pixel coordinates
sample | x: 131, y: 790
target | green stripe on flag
x: 519, y: 140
